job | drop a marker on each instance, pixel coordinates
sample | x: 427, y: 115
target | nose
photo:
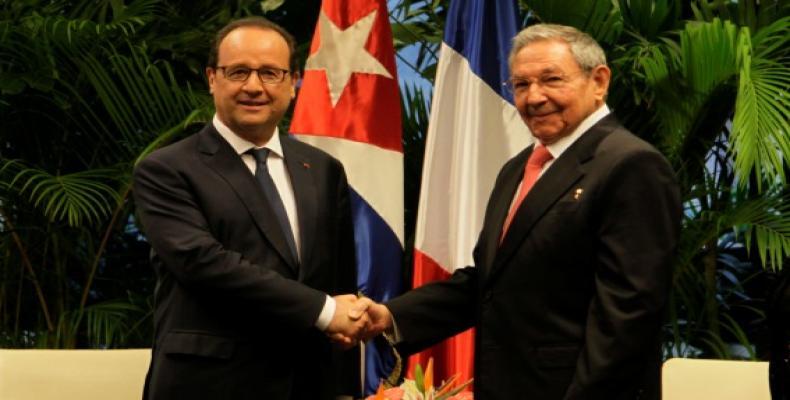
x: 534, y: 94
x: 253, y: 83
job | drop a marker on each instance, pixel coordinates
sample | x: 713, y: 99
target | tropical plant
x: 716, y: 96
x: 81, y: 87
x: 418, y: 25
x: 87, y: 88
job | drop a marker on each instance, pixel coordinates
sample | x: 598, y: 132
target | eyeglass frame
x: 281, y: 71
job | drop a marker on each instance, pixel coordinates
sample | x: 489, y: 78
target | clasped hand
x: 357, y: 318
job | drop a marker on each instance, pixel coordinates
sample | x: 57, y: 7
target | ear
x: 211, y: 75
x: 601, y: 75
x: 294, y: 79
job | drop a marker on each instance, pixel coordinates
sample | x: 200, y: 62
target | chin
x: 545, y: 137
x: 253, y: 120
x: 542, y: 132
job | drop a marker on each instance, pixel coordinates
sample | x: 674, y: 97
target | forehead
x: 253, y: 46
x: 544, y: 56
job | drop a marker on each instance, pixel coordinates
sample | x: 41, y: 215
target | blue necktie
x: 266, y: 182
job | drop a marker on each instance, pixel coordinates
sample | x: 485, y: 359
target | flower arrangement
x: 421, y: 388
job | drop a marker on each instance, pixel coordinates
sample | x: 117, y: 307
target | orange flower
x: 395, y: 393
x: 428, y: 380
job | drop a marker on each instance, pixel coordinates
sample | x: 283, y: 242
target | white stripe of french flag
x: 473, y: 130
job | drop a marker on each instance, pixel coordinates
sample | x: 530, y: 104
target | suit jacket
x: 570, y: 304
x: 234, y: 315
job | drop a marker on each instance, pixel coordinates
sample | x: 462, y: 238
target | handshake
x: 357, y: 318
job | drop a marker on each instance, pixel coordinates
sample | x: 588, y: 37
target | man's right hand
x: 350, y: 320
x: 380, y: 321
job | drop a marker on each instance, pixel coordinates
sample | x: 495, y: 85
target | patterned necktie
x: 266, y: 182
x: 539, y: 157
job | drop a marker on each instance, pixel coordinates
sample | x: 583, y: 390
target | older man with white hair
x: 573, y: 263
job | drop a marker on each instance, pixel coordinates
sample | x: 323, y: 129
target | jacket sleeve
x: 435, y: 311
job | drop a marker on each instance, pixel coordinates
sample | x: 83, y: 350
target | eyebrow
x: 552, y: 70
x: 262, y: 66
x: 548, y: 70
x: 541, y: 73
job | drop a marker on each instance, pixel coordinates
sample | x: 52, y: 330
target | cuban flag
x: 473, y: 130
x: 349, y: 106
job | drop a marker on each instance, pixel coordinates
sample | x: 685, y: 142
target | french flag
x: 473, y: 130
x: 349, y: 106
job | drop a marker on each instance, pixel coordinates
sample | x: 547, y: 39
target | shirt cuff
x: 395, y: 332
x: 325, y: 318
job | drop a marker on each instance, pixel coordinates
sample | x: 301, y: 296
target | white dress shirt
x: 557, y: 148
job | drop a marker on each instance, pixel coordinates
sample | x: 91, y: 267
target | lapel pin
x: 306, y: 165
x: 578, y: 193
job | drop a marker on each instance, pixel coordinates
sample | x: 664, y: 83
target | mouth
x: 540, y: 114
x: 252, y: 104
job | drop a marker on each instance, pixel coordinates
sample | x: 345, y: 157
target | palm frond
x: 102, y: 325
x: 90, y: 20
x: 692, y: 85
x: 736, y: 331
x: 715, y: 344
x: 141, y: 98
x: 80, y: 198
x: 765, y: 223
x: 202, y: 114
x: 761, y: 131
x: 419, y: 25
x: 602, y: 19
x: 649, y: 19
x: 754, y: 14
x: 108, y: 323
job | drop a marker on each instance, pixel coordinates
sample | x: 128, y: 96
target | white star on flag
x: 342, y: 52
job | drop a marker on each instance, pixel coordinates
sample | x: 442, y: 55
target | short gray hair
x: 585, y: 50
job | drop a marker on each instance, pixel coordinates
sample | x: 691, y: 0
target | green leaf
x: 81, y: 198
x: 762, y: 108
x: 271, y: 5
x: 649, y: 19
x: 419, y: 378
x: 734, y: 328
x: 600, y: 18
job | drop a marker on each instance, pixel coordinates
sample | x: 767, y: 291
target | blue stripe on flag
x: 468, y: 31
x: 379, y: 276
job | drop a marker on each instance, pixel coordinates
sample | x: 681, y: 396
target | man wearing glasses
x: 251, y: 235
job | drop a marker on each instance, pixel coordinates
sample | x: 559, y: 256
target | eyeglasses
x: 520, y: 86
x: 268, y: 75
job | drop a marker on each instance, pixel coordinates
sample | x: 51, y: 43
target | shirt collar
x: 241, y: 145
x: 557, y: 148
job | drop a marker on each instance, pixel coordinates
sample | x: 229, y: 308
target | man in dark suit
x: 574, y: 257
x: 249, y: 232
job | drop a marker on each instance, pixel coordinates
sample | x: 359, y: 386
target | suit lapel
x: 568, y: 169
x: 500, y: 206
x: 305, y: 192
x: 221, y: 157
